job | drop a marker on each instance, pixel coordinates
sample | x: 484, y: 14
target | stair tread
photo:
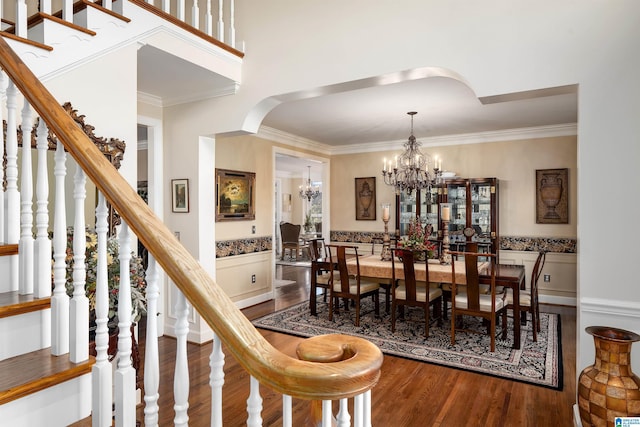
x: 13, y: 304
x: 35, y: 371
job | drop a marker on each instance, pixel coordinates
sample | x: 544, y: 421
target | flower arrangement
x: 417, y: 237
x: 136, y: 272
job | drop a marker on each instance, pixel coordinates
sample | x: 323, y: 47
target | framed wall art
x: 552, y: 196
x: 366, y: 199
x: 180, y: 195
x: 235, y: 195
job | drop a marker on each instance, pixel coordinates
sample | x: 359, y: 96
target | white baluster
x: 79, y: 305
x: 180, y: 12
x: 45, y: 6
x: 166, y: 5
x: 67, y: 10
x: 195, y: 15
x: 220, y: 22
x: 60, y: 300
x: 232, y: 28
x: 287, y: 411
x: 12, y: 194
x: 367, y: 408
x: 181, y: 374
x: 254, y: 404
x: 344, y: 419
x: 107, y: 4
x: 358, y: 404
x: 42, y: 275
x: 151, y: 355
x: 125, y: 376
x: 208, y: 20
x: 216, y: 381
x: 102, y: 372
x: 25, y: 246
x: 21, y: 18
x: 3, y: 99
x: 327, y: 415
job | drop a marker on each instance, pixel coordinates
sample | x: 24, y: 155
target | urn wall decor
x: 552, y: 196
x: 608, y: 389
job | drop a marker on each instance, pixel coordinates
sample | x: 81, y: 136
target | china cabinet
x: 422, y: 204
x: 474, y: 212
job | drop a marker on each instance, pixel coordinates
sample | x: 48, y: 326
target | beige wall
x: 513, y: 163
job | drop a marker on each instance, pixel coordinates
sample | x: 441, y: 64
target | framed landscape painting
x: 235, y: 195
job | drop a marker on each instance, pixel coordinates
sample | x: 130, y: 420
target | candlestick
x: 445, y: 212
x: 445, y: 256
x: 386, y: 241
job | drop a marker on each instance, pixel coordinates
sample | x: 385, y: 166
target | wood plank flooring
x: 409, y: 393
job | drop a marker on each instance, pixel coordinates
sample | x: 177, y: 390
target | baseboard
x: 254, y: 300
x: 548, y: 299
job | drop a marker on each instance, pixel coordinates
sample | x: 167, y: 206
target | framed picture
x: 180, y: 195
x: 235, y: 195
x: 366, y: 199
x: 552, y: 196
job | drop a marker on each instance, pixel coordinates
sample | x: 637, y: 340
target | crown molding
x: 293, y: 140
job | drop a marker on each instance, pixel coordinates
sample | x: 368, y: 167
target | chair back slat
x: 408, y: 260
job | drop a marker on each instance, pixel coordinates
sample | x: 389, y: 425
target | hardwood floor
x: 409, y: 393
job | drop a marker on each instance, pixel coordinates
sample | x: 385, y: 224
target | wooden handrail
x: 357, y: 372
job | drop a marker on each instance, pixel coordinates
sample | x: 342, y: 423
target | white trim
x: 254, y: 300
x: 568, y: 129
x: 606, y: 307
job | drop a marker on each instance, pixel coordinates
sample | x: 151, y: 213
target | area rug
x: 538, y: 363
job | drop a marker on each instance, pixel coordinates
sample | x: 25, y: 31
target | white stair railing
x: 151, y: 356
x: 42, y: 246
x: 12, y: 196
x: 25, y: 247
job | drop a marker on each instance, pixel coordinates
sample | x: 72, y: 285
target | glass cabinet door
x: 407, y: 211
x: 481, y: 209
x: 457, y: 196
x: 429, y: 209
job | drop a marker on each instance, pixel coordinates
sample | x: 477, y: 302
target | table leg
x: 313, y: 290
x: 516, y: 317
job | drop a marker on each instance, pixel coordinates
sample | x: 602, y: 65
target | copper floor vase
x: 608, y: 389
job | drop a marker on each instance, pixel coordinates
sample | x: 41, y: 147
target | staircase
x: 46, y: 374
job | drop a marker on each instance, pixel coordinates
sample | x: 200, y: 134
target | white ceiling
x: 370, y: 115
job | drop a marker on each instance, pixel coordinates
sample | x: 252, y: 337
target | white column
x: 42, y: 247
x: 125, y: 376
x: 102, y: 372
x: 358, y: 406
x: 327, y: 415
x: 254, y: 404
x: 107, y: 4
x: 79, y: 305
x: 181, y: 374
x: 45, y: 6
x: 216, y: 381
x: 151, y: 355
x: 25, y: 246
x: 67, y: 10
x: 166, y: 5
x: 180, y: 12
x: 367, y: 409
x: 60, y: 299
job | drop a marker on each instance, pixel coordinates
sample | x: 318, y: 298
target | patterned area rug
x: 538, y: 363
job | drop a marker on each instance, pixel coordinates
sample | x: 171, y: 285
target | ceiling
x: 371, y: 115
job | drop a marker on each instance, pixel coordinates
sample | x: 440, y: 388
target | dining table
x: 508, y: 275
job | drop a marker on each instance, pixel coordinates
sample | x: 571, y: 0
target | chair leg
x: 534, y: 324
x: 453, y: 328
x: 393, y: 316
x: 493, y: 334
x: 331, y: 307
x: 426, y: 320
x: 376, y: 301
x: 357, y: 312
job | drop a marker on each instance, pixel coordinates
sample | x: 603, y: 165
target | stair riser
x: 25, y: 333
x: 59, y: 405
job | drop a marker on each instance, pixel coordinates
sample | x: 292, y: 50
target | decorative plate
x: 469, y: 231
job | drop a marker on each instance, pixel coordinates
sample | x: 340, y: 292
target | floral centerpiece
x: 417, y: 237
x: 136, y: 272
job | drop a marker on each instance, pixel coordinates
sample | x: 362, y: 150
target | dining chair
x: 408, y: 292
x: 473, y: 302
x: 321, y: 266
x: 290, y: 236
x: 529, y: 298
x: 349, y: 287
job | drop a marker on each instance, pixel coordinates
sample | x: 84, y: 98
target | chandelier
x: 309, y: 192
x: 411, y: 170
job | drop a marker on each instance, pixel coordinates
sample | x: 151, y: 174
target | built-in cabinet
x: 474, y: 211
